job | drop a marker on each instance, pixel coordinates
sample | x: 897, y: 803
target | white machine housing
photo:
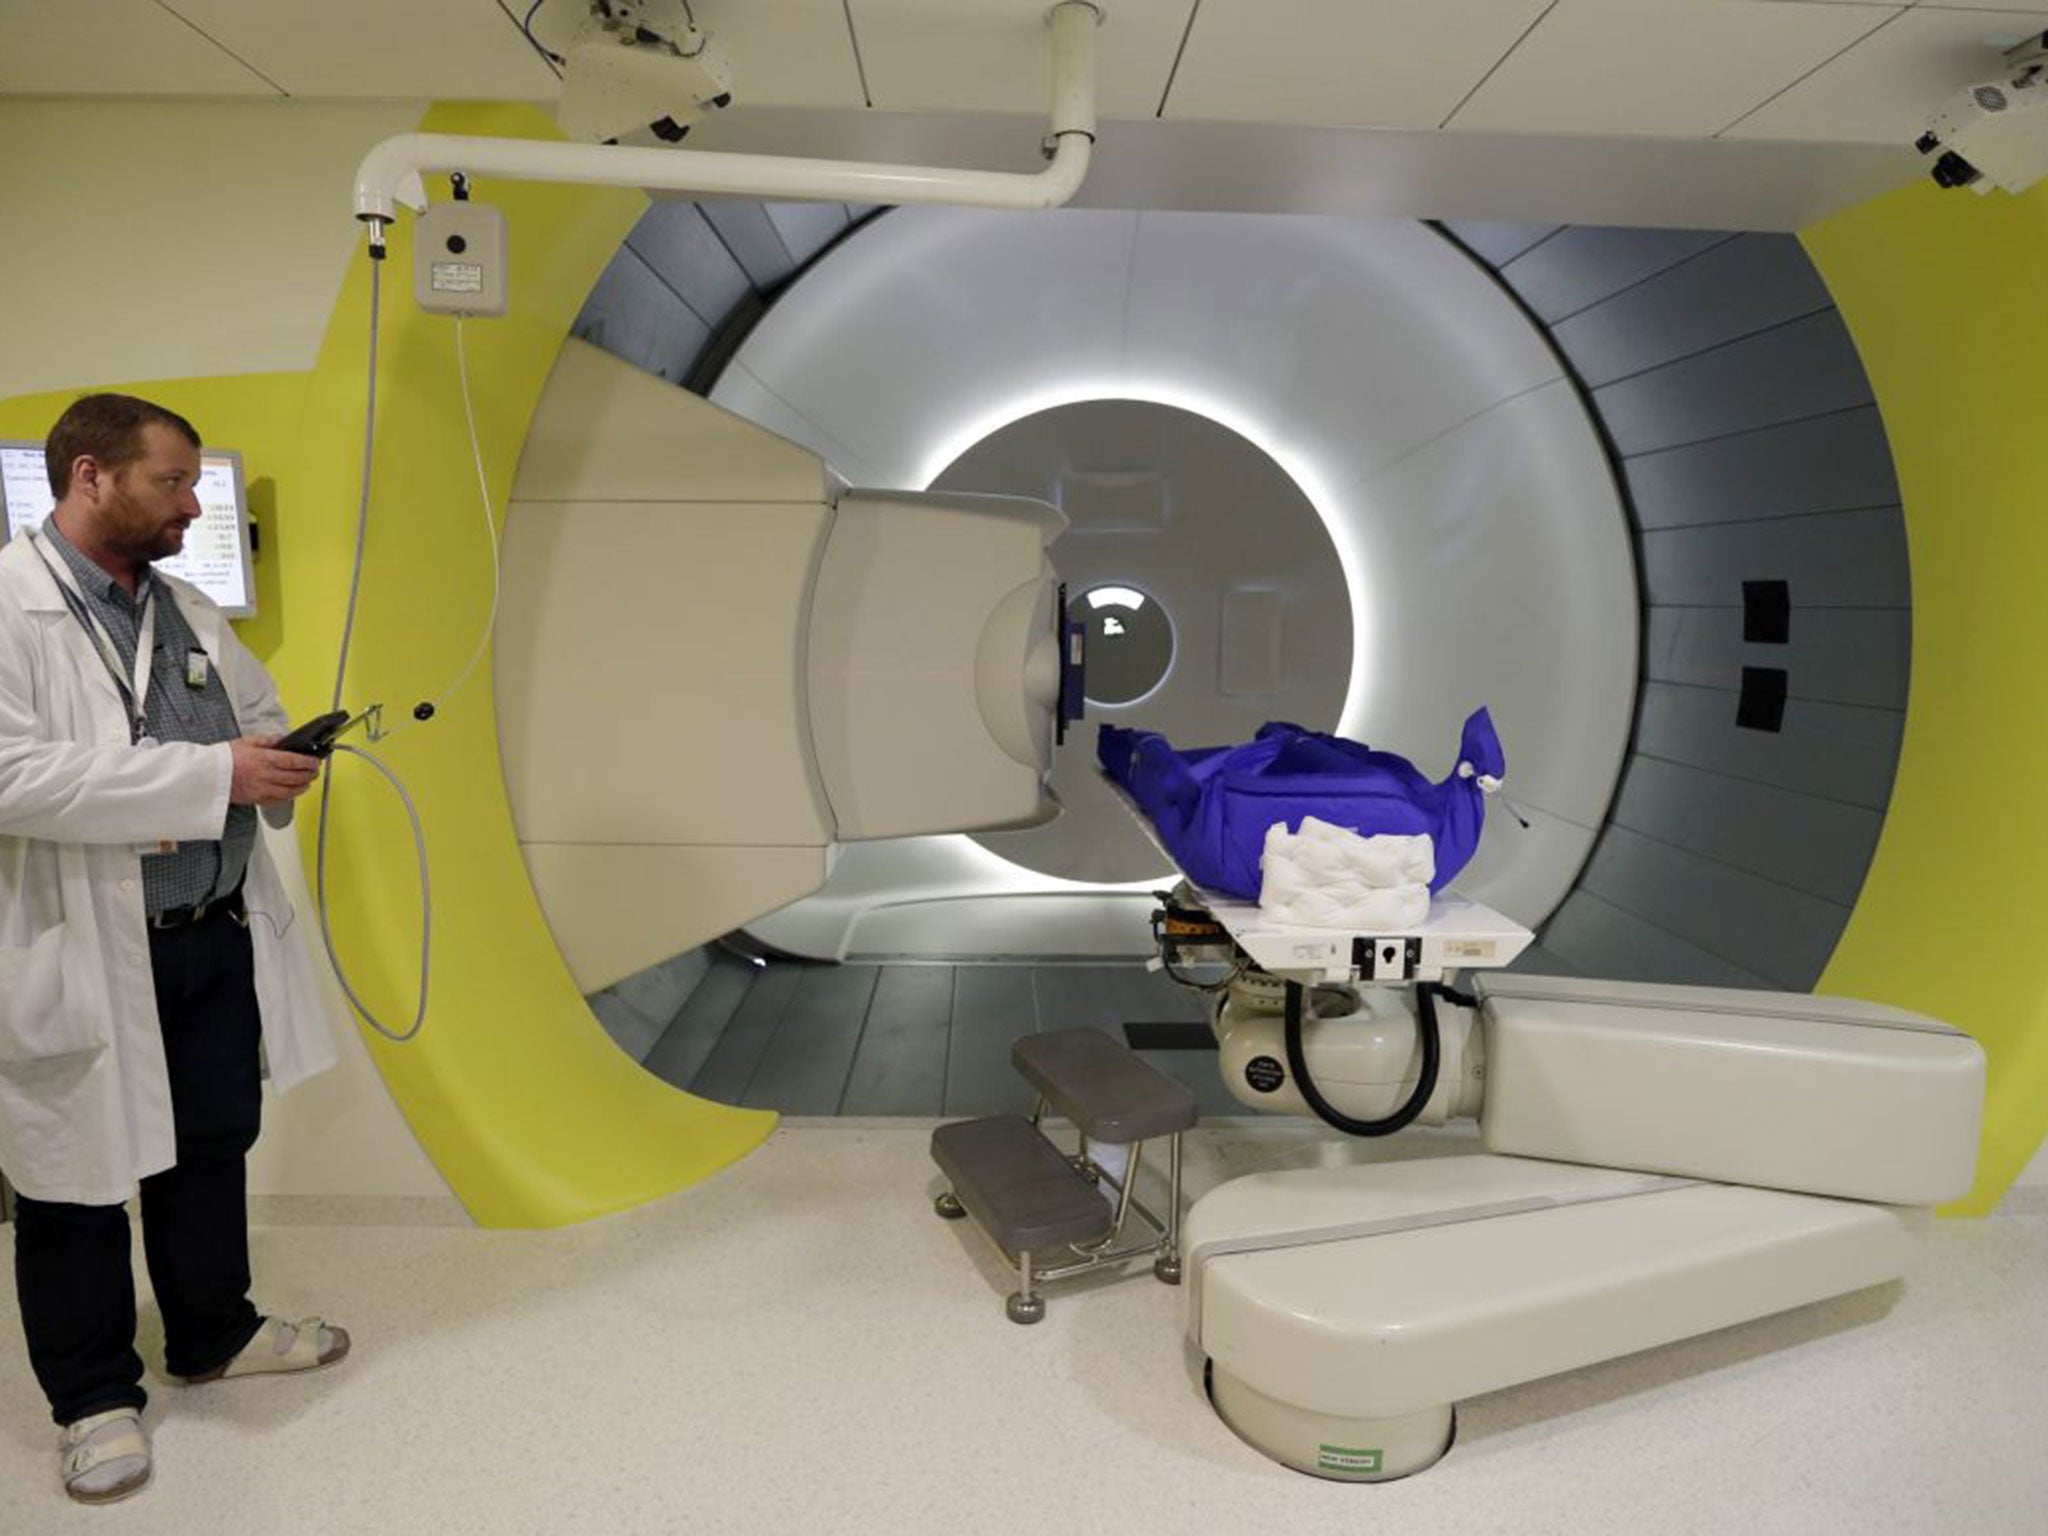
x: 714, y: 663
x: 1345, y: 1311
x: 1827, y: 1095
x: 1362, y: 1051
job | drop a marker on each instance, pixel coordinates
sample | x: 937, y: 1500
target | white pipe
x: 390, y: 174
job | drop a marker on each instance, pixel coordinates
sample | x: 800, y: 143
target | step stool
x: 1033, y: 1201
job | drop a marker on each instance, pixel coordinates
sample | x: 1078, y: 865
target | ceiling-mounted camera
x: 634, y: 71
x: 1995, y: 133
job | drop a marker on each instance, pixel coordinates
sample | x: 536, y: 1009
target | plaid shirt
x: 174, y: 711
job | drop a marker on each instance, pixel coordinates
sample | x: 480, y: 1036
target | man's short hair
x: 109, y: 428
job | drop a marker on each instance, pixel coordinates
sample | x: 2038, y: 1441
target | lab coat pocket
x: 40, y: 1017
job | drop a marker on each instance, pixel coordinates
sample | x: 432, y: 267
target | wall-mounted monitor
x: 215, y: 558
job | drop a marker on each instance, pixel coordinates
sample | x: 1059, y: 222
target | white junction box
x: 459, y: 260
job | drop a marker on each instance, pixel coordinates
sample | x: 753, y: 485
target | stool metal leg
x: 1167, y: 1265
x: 1023, y: 1306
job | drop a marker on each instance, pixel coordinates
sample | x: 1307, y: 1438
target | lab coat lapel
x: 27, y: 582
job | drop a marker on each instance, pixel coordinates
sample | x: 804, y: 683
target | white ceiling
x: 1840, y: 71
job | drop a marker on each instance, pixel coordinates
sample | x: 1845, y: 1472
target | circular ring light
x: 1473, y: 513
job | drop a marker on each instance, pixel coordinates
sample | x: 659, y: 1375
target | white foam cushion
x: 1326, y: 876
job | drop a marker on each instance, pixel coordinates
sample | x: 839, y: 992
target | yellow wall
x: 175, y: 239
x: 527, y: 1108
x: 1942, y: 293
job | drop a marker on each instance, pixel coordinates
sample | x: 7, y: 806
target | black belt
x: 199, y: 911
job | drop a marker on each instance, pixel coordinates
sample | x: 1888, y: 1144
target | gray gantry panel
x: 1830, y: 463
x: 1805, y: 842
x: 692, y: 274
x: 636, y: 317
x: 1080, y: 996
x: 694, y: 1032
x: 1577, y: 268
x: 630, y: 1029
x: 804, y: 1069
x: 1540, y: 960
x: 1780, y: 933
x: 1807, y: 367
x: 1831, y: 751
x: 901, y: 1065
x: 992, y: 1006
x: 1600, y: 939
x: 806, y: 228
x: 1834, y: 655
x: 1496, y: 243
x: 679, y: 244
x: 1734, y: 288
x: 729, y: 1065
x: 638, y: 1010
x: 1830, y: 559
x: 754, y: 241
x: 1756, y: 467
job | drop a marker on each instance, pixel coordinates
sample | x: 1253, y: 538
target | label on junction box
x: 457, y: 277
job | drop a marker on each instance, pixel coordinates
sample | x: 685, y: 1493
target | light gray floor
x: 800, y: 1346
x: 918, y: 1040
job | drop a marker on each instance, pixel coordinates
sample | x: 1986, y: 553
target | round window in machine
x: 1129, y: 642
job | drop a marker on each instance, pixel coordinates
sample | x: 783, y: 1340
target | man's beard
x: 134, y: 535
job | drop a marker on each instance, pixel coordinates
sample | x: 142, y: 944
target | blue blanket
x: 1212, y: 805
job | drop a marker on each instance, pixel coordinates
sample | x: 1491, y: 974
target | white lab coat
x: 85, y: 1107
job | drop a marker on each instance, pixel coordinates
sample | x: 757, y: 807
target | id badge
x: 197, y: 669
x: 157, y: 850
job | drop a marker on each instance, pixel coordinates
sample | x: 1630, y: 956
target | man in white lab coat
x: 150, y: 960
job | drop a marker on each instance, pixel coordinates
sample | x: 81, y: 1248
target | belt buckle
x: 173, y: 918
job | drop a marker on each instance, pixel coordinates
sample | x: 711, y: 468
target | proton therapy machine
x: 1658, y: 1161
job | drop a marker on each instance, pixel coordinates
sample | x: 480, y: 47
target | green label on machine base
x: 1338, y: 1458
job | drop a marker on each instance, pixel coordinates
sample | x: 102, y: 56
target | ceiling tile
x: 784, y: 53
x: 113, y: 48
x: 995, y: 55
x: 1885, y: 89
x: 462, y: 50
x: 1673, y: 68
x: 1342, y: 63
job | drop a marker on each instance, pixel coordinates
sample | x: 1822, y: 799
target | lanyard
x: 135, y: 694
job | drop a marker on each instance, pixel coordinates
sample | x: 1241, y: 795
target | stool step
x: 1105, y: 1088
x: 1017, y: 1186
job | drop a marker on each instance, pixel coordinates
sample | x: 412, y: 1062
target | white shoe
x: 305, y: 1345
x: 104, y: 1456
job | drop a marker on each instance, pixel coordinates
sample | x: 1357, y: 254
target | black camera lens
x: 1952, y: 170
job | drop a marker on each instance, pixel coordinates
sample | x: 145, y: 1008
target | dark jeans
x: 71, y: 1262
